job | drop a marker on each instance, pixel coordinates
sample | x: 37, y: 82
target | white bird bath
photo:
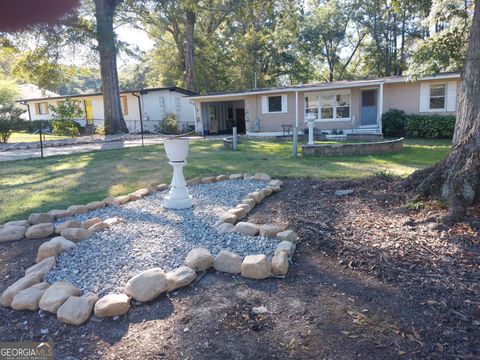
x: 177, y: 152
x: 311, y: 124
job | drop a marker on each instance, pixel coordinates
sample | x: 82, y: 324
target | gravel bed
x: 153, y: 236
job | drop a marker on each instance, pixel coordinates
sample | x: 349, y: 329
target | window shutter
x: 285, y: 103
x: 37, y: 108
x: 264, y: 104
x: 424, y: 97
x: 451, y: 95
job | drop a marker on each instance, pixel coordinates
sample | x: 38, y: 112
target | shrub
x: 393, y: 123
x: 99, y: 130
x: 432, y: 126
x: 169, y: 125
x: 9, y: 120
x: 63, y: 120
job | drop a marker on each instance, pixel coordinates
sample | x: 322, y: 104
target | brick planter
x: 353, y: 149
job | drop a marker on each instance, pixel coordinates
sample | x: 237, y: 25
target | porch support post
x: 380, y: 108
x: 195, y: 115
x: 296, y: 109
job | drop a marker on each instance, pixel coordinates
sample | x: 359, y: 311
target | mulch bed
x: 372, y: 278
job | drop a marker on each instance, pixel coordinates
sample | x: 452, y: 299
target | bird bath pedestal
x: 177, y: 152
x: 311, y: 124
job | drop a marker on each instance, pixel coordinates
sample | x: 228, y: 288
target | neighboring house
x: 152, y: 103
x: 30, y: 91
x: 350, y: 106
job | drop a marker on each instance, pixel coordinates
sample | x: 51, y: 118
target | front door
x: 88, y: 111
x: 240, y: 120
x: 368, y: 108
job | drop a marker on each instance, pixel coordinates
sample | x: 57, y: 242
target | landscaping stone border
x: 66, y: 301
x: 366, y: 148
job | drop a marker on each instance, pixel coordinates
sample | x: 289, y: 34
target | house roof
x: 145, y: 90
x: 325, y: 86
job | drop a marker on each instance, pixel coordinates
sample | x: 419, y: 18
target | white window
x: 42, y: 108
x: 177, y: 104
x: 273, y: 104
x: 162, y: 104
x: 437, y: 97
x: 328, y: 106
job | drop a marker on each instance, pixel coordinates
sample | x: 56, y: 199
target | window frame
x: 318, y: 99
x: 178, y: 107
x: 283, y: 103
x: 38, y: 108
x: 444, y: 108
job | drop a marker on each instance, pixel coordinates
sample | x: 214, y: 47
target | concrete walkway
x: 12, y: 155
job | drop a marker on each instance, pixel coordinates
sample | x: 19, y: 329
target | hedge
x: 433, y: 126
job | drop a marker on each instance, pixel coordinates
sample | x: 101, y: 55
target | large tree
x: 104, y: 12
x: 457, y: 178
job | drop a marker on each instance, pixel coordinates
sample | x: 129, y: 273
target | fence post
x: 295, y: 142
x: 41, y: 142
x: 234, y: 139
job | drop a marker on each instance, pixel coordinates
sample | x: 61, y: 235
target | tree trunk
x: 114, y: 121
x: 190, y: 50
x: 457, y: 178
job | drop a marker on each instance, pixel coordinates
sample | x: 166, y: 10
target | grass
x: 28, y: 137
x: 36, y: 185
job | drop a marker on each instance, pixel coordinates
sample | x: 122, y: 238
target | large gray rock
x: 147, y: 285
x: 262, y: 177
x: 111, y: 201
x: 256, y: 267
x: 94, y: 205
x: 77, y: 309
x: 42, y: 267
x: 275, y: 183
x: 113, y: 221
x: 122, y: 200
x: 285, y: 246
x: 236, y: 176
x: 256, y: 195
x: 228, y: 218
x: 40, y: 218
x: 240, y: 213
x: 287, y: 235
x: 180, y: 277
x: 245, y: 207
x: 90, y: 222
x: 40, y: 231
x: 112, y: 305
x: 28, y: 299
x: 75, y: 234
x: 249, y: 201
x: 23, y: 223
x: 142, y: 192
x: 58, y: 214
x: 65, y: 225
x: 54, y: 247
x: 101, y: 226
x: 56, y: 295
x: 222, y: 177
x: 280, y: 264
x: 78, y: 209
x: 225, y: 228
x: 270, y: 230
x: 209, y: 180
x: 228, y: 262
x: 199, y: 259
x: 12, y: 233
x: 19, y: 285
x: 246, y: 228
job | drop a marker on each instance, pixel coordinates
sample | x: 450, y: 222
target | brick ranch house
x: 350, y: 106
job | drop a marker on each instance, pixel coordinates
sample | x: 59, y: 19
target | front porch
x: 220, y: 117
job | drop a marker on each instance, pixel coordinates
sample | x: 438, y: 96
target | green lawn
x: 58, y: 182
x: 29, y: 137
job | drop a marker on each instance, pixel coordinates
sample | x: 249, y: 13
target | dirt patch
x: 370, y: 279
